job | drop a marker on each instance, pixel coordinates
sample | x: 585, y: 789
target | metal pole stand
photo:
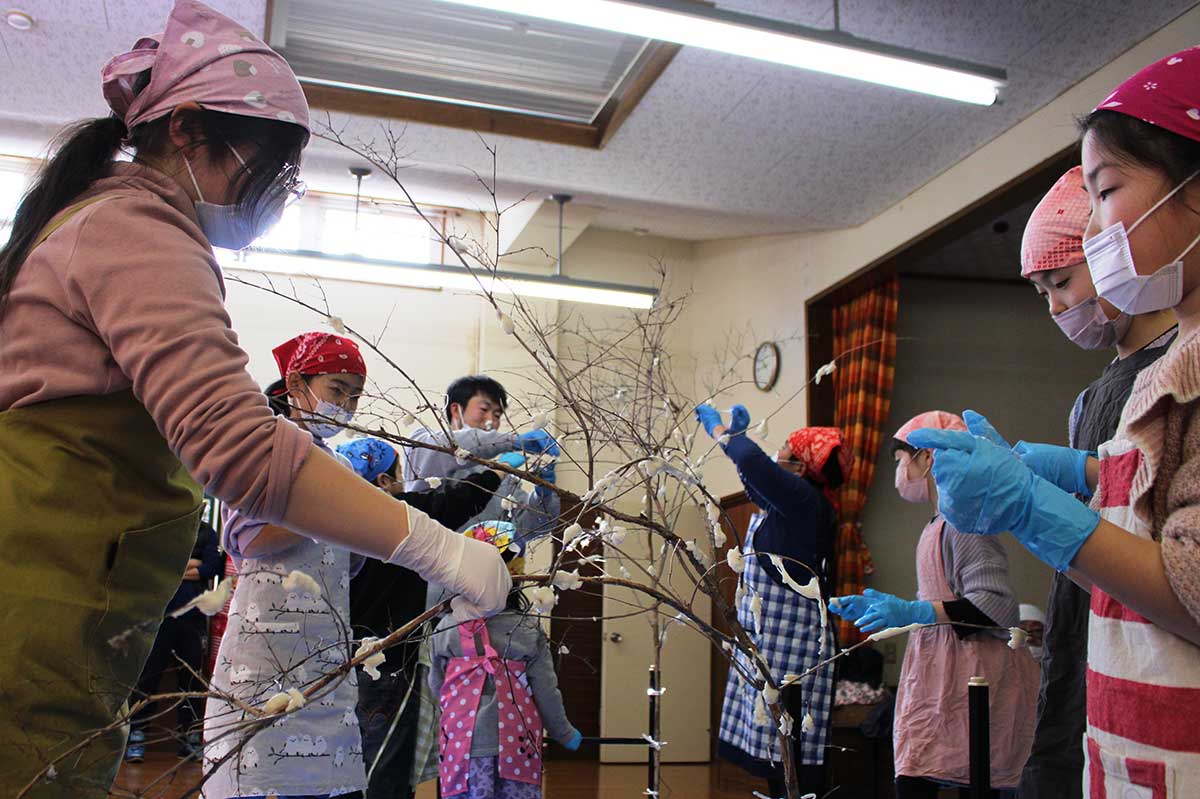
x: 981, y: 747
x: 654, y: 692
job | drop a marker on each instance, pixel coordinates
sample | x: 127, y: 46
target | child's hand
x: 576, y: 739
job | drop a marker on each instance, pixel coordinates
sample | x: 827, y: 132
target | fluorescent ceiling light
x: 393, y: 273
x: 689, y: 23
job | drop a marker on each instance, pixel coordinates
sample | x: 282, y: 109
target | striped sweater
x: 1143, y: 683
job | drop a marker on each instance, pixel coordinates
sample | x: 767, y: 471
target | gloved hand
x: 513, y: 460
x: 708, y: 417
x: 576, y: 739
x: 548, y: 474
x: 459, y: 564
x: 1063, y: 466
x: 884, y: 611
x: 538, y: 441
x: 849, y: 607
x: 983, y: 489
x: 739, y: 419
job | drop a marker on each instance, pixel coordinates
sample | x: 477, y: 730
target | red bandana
x: 812, y: 446
x: 319, y: 354
x: 1166, y: 94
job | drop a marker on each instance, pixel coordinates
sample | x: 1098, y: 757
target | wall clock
x: 766, y: 365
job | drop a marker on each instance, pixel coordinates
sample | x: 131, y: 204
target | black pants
x: 922, y: 788
x: 379, y: 702
x: 811, y: 778
x: 179, y: 640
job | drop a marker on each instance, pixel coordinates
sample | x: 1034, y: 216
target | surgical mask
x: 1110, y: 261
x: 911, y: 490
x: 1087, y: 326
x: 233, y: 228
x: 319, y: 424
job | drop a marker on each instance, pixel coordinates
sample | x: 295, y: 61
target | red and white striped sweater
x: 1143, y: 738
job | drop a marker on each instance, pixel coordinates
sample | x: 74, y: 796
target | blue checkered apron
x: 790, y: 641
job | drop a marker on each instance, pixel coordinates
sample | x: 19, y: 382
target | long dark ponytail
x: 83, y: 154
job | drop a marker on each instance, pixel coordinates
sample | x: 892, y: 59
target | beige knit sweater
x: 1162, y: 419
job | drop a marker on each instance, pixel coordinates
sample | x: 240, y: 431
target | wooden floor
x: 163, y: 777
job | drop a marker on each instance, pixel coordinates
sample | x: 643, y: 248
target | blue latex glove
x: 983, y: 489
x: 548, y: 474
x: 513, y: 460
x: 849, y: 607
x: 538, y: 441
x: 1063, y: 466
x: 891, y: 611
x: 739, y: 419
x: 576, y: 739
x: 708, y: 417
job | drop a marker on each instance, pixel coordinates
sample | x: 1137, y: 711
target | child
x: 960, y: 578
x: 384, y: 596
x: 497, y: 688
x: 1052, y: 260
x: 282, y: 634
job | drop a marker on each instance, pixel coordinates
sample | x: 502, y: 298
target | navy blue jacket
x: 799, y: 523
x: 212, y: 564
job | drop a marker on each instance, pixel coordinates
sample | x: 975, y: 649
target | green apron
x: 97, y: 522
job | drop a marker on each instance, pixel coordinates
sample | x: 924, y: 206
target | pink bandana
x: 209, y: 59
x: 934, y: 420
x: 1166, y: 94
x: 1054, y: 236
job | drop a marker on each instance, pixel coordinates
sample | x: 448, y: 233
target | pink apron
x: 520, y: 724
x: 1143, y: 683
x: 931, y: 728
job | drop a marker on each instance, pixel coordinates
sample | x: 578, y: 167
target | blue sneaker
x: 135, y: 750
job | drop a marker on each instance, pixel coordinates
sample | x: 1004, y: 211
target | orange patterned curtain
x: 864, y: 340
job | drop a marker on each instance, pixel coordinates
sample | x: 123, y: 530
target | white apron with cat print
x: 1143, y: 683
x: 279, y: 638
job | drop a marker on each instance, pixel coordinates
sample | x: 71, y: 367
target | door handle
x: 616, y: 638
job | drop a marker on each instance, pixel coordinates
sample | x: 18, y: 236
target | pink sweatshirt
x: 128, y: 294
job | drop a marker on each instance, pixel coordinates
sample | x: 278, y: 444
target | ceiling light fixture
x: 304, y: 263
x: 18, y: 19
x: 833, y: 52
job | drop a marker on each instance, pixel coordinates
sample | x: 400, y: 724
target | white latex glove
x: 459, y: 564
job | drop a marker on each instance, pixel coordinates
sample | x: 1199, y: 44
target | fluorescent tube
x: 831, y: 52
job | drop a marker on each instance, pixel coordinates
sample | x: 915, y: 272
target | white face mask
x: 1110, y: 261
x: 318, y: 422
x: 226, y: 226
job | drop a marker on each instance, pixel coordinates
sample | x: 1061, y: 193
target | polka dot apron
x: 520, y: 724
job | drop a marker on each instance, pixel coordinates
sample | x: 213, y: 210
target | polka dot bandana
x: 1054, y: 236
x: 206, y: 58
x: 319, y: 354
x: 1165, y: 93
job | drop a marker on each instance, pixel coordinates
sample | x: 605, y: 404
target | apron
x: 1143, y: 683
x: 520, y: 734
x: 931, y: 727
x: 790, y: 640
x: 99, y: 522
x: 278, y: 639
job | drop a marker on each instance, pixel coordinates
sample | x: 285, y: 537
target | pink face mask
x: 1087, y: 325
x: 911, y: 490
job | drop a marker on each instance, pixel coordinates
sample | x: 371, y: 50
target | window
x: 13, y: 183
